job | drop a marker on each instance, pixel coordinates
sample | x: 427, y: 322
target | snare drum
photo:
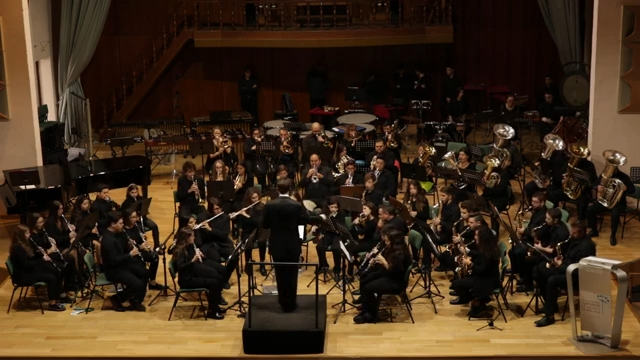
x: 274, y: 124
x: 532, y: 116
x: 356, y: 119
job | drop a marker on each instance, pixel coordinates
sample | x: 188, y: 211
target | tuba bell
x: 571, y: 186
x: 499, y: 155
x: 613, y: 188
x: 423, y: 160
x: 551, y: 143
x: 452, y: 163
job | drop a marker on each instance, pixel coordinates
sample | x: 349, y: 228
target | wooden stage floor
x: 105, y: 333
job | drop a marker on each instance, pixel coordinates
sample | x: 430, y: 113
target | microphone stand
x: 162, y: 250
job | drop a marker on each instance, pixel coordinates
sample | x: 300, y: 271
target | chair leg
x: 500, y: 310
x: 92, y: 289
x: 35, y: 288
x: 202, y: 305
x: 11, y: 300
x: 566, y: 306
x: 21, y: 296
x: 175, y: 302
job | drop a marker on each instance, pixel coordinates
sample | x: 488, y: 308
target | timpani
x: 356, y: 119
x: 274, y: 124
x: 369, y: 131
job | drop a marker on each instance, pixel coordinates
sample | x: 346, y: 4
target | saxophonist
x: 371, y: 194
x: 463, y: 233
x: 518, y: 252
x: 551, y: 280
x: 449, y: 214
x: 190, y: 192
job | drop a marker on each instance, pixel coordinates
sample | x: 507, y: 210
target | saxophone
x: 341, y: 165
x: 558, y: 252
x: 373, y: 162
x: 463, y: 269
x: 534, y: 234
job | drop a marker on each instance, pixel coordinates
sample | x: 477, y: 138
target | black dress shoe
x: 156, y: 287
x: 453, y: 293
x: 56, y: 307
x: 545, y: 321
x: 613, y: 241
x: 223, y: 302
x: 214, y: 315
x: 117, y: 304
x: 226, y: 286
x: 459, y: 301
x: 593, y: 233
x: 356, y: 292
x: 263, y: 270
x: 136, y: 306
x: 221, y: 310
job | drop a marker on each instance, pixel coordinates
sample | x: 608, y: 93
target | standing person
x: 284, y: 241
x: 248, y: 88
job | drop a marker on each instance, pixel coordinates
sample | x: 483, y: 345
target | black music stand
x: 346, y: 286
x: 447, y: 174
x: 240, y: 305
x: 141, y: 207
x: 222, y: 190
x: 120, y: 142
x: 351, y: 204
x: 580, y: 176
x: 415, y: 172
x: 365, y: 146
x: 24, y: 178
x: 295, y: 127
x: 202, y: 147
x: 165, y: 287
x: 472, y: 177
x: 363, y: 168
x: 476, y: 153
x: 324, y: 226
x: 425, y: 280
x: 353, y: 191
x: 324, y: 152
x: 265, y: 148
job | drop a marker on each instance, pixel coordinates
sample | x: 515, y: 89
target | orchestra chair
x: 96, y: 279
x: 402, y: 295
x: 36, y: 286
x: 455, y: 146
x: 179, y: 293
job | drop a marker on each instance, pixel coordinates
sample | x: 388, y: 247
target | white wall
x: 41, y: 37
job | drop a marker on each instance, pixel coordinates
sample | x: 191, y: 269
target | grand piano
x: 63, y: 183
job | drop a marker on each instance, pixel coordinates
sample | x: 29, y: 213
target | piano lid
x: 51, y: 176
x: 81, y: 169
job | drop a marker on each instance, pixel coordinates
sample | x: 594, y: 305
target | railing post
x: 233, y: 16
x: 186, y: 22
x: 124, y: 89
x: 164, y: 40
x: 196, y: 10
x: 221, y: 16
x: 113, y: 100
x: 154, y: 52
x: 400, y: 14
x: 144, y: 63
x: 175, y: 29
x: 134, y: 78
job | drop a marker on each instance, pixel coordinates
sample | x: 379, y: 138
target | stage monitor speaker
x: 269, y: 330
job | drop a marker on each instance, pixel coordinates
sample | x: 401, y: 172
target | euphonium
x: 424, y: 158
x: 341, y: 164
x: 286, y: 147
x: 453, y: 164
x: 613, y: 188
x: 552, y: 143
x: 571, y: 186
x: 499, y: 155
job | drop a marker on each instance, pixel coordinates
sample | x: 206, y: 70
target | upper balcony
x: 300, y: 24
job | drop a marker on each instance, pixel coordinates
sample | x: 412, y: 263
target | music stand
x: 415, y: 172
x: 476, y: 153
x: 141, y: 207
x: 472, y: 177
x: 202, y: 147
x: 425, y: 274
x: 447, y: 174
x: 24, y: 178
x: 325, y: 153
x: 87, y: 225
x: 324, y: 226
x: 240, y: 305
x: 348, y: 203
x: 295, y: 127
x: 222, y: 190
x: 123, y: 143
x: 344, y: 239
x: 365, y: 146
x: 265, y: 147
x: 581, y: 176
x: 363, y: 168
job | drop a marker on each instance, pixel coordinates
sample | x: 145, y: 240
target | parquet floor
x: 105, y: 333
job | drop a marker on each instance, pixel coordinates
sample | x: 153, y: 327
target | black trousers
x: 208, y: 282
x: 463, y: 287
x: 550, y: 283
x: 369, y: 289
x: 287, y: 282
x: 596, y: 208
x: 134, y: 277
x: 47, y: 274
x: 556, y: 195
x: 153, y: 260
x: 517, y: 256
x: 322, y: 248
x: 155, y: 231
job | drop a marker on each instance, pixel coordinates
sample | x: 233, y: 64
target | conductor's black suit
x: 282, y: 217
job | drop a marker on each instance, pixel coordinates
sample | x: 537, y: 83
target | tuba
x: 286, y: 147
x: 499, y: 155
x: 552, y: 143
x: 225, y: 143
x: 423, y: 160
x: 453, y: 164
x: 612, y: 186
x: 571, y: 186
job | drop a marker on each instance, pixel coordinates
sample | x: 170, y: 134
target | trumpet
x: 225, y: 143
x: 43, y: 252
x: 286, y: 147
x: 197, y: 192
x: 314, y: 177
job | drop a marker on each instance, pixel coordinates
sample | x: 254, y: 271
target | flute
x: 234, y: 214
x: 206, y: 221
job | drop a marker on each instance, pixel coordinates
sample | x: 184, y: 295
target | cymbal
x: 411, y: 119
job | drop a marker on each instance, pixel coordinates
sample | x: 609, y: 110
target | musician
x: 422, y: 152
x: 193, y: 271
x: 485, y: 276
x: 314, y: 139
x: 597, y: 208
x: 103, y: 205
x: 251, y: 157
x: 284, y: 241
x: 463, y: 232
x: 81, y: 210
x: 248, y: 89
x: 339, y: 159
x: 134, y: 231
x: 218, y: 235
x: 456, y: 108
x: 226, y: 154
x: 242, y: 182
x: 420, y: 85
x: 387, y: 274
x: 122, y: 264
x: 249, y: 221
x: 548, y: 115
x: 465, y: 161
x: 364, y: 228
x: 350, y: 177
x: 418, y: 206
x: 514, y: 163
x: 402, y: 85
x: 545, y: 238
x: 328, y: 239
x: 509, y: 111
x: 39, y: 235
x: 498, y: 194
x: 552, y: 280
x: 190, y: 189
x: 556, y: 195
x: 388, y: 218
x: 371, y: 193
x: 350, y: 139
x: 132, y: 197
x: 317, y: 181
x: 518, y: 252
x: 282, y: 142
x: 381, y: 152
x: 390, y: 134
x: 550, y: 87
x: 64, y: 235
x: 551, y: 171
x: 31, y: 266
x: 385, y: 181
x: 449, y: 214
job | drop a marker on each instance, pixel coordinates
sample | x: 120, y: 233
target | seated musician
x: 349, y: 140
x: 317, y: 180
x: 349, y: 178
x: 30, y: 265
x: 386, y: 274
x: 122, y: 263
x: 191, y: 190
x: 596, y: 208
x: 556, y: 195
x: 91, y: 240
x: 134, y: 231
x: 103, y: 205
x: 418, y: 206
x: 382, y: 152
x: 221, y: 173
x: 217, y: 236
x: 249, y: 221
x: 498, y: 194
x: 551, y: 171
x: 464, y: 162
x: 327, y: 239
x: 242, y: 182
x: 552, y: 280
x: 545, y: 238
x: 449, y: 214
x: 484, y: 265
x: 64, y: 235
x: 371, y: 193
x: 227, y: 154
x: 364, y: 228
x: 385, y: 181
x: 518, y: 251
x: 251, y: 157
x: 314, y: 139
x: 194, y: 271
x: 390, y: 135
x: 133, y: 195
x: 388, y: 217
x: 463, y: 232
x: 285, y: 143
x: 548, y: 115
x: 509, y: 111
x: 339, y: 160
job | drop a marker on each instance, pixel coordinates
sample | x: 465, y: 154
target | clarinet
x: 134, y: 245
x: 368, y: 260
x: 53, y: 242
x: 41, y: 250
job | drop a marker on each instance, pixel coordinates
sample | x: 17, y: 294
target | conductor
x: 282, y: 216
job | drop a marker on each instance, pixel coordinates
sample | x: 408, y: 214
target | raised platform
x: 269, y: 330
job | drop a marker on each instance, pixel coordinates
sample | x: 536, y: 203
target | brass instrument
x: 43, y: 252
x: 434, y: 228
x: 450, y: 157
x: 286, y: 147
x: 314, y: 177
x: 499, y: 155
x: 341, y: 165
x: 327, y: 141
x: 197, y: 193
x: 463, y: 269
x: 558, y: 251
x: 571, y: 186
x: 613, y: 188
x: 373, y: 161
x: 225, y: 143
x: 393, y: 143
x: 552, y: 143
x: 423, y: 160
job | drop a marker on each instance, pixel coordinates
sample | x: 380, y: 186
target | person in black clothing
x: 518, y: 252
x: 617, y: 210
x: 314, y: 139
x: 64, y: 235
x: 545, y: 238
x: 191, y: 189
x: 242, y: 182
x: 463, y: 190
x: 552, y: 280
x: 464, y: 233
x: 550, y: 87
x: 103, y: 205
x: 388, y: 217
x: 134, y: 231
x: 390, y: 134
x: 193, y: 271
x: 248, y: 89
x: 318, y: 84
x: 449, y: 92
x: 557, y: 194
x: 385, y: 182
x: 387, y: 274
x: 328, y: 239
x: 39, y: 235
x: 509, y: 111
x: 402, y: 85
x: 317, y: 180
x: 416, y: 201
x: 284, y: 241
x: 420, y: 85
x: 457, y: 108
x: 255, y: 164
x: 249, y: 221
x: 364, y: 228
x: 449, y: 214
x: 350, y: 177
x: 498, y: 194
x: 218, y: 235
x: 30, y: 265
x: 551, y: 172
x: 382, y: 152
x: 81, y: 210
x: 227, y: 154
x: 484, y: 262
x: 371, y: 193
x: 548, y: 115
x: 132, y: 197
x: 123, y: 264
